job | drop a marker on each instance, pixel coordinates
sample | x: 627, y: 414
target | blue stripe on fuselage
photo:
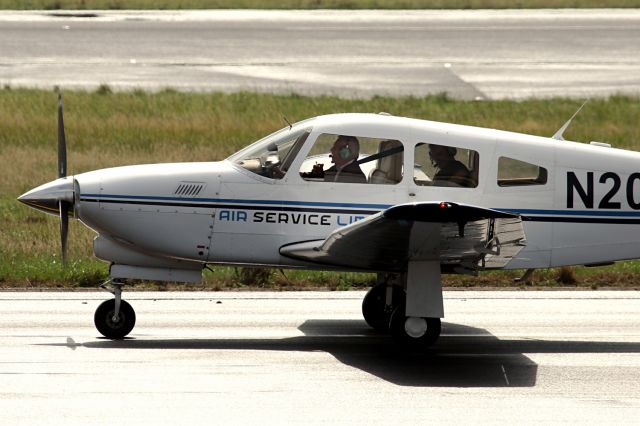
x: 216, y: 201
x: 580, y: 216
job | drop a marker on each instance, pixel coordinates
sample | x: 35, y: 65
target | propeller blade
x: 62, y: 143
x: 64, y: 227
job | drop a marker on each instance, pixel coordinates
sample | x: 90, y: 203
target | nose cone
x: 46, y: 197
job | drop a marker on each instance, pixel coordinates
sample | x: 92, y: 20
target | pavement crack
x: 504, y: 373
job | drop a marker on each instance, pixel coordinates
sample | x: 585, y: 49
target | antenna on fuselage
x: 285, y: 119
x: 558, y: 134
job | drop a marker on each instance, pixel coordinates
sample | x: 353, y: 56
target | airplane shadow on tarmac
x: 468, y: 363
x: 463, y: 356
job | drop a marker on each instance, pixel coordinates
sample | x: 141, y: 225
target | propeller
x: 58, y: 196
x: 62, y: 142
x: 63, y: 206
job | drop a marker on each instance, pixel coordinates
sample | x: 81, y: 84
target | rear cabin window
x: 512, y: 172
x: 354, y: 159
x: 444, y: 165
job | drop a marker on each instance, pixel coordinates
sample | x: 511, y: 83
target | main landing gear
x: 377, y: 306
x: 384, y: 309
x: 114, y: 318
x: 414, y: 332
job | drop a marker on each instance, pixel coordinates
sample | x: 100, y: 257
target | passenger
x: 451, y: 172
x: 344, y: 156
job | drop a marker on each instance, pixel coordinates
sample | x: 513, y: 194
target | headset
x: 345, y: 152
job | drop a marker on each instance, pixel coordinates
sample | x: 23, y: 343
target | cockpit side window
x: 272, y: 156
x: 444, y: 165
x: 512, y: 172
x: 354, y: 159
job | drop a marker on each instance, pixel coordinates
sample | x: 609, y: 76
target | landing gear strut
x: 114, y: 318
x: 409, y: 304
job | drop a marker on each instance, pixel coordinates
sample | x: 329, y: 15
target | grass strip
x: 106, y: 129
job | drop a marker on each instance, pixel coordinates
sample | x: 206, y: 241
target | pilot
x: 451, y: 172
x: 344, y: 156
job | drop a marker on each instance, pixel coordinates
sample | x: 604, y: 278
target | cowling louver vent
x: 189, y: 189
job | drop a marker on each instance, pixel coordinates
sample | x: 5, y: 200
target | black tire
x: 103, y: 319
x: 400, y: 335
x: 374, y: 303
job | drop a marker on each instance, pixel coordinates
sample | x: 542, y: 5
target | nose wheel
x: 114, y: 318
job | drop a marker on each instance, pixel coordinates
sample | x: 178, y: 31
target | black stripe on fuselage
x: 562, y: 219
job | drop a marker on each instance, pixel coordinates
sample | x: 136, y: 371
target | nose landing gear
x: 114, y: 318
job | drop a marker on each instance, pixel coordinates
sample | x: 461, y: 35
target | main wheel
x: 103, y: 319
x: 414, y: 332
x: 374, y: 305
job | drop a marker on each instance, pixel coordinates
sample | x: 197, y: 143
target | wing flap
x: 463, y: 238
x: 374, y: 243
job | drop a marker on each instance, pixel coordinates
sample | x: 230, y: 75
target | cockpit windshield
x: 272, y: 156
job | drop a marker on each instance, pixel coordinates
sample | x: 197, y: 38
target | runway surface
x: 468, y: 54
x: 518, y: 357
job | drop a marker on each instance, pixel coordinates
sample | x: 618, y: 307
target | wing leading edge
x: 463, y: 238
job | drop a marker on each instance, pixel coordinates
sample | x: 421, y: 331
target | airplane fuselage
x: 588, y: 211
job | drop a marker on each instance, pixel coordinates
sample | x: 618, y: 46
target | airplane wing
x: 463, y: 238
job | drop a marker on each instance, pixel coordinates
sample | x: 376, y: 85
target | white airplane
x: 408, y: 199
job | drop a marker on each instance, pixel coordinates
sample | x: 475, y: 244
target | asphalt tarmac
x: 467, y: 54
x: 514, y: 357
